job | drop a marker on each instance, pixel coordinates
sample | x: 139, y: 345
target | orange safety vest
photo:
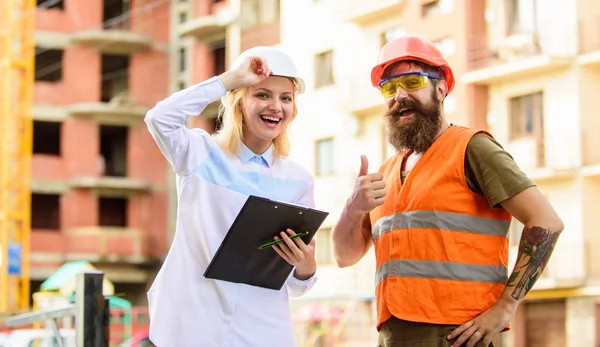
x: 441, y: 251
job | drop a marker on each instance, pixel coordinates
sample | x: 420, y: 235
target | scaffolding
x: 17, y: 51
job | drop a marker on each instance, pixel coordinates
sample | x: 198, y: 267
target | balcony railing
x: 109, y: 243
x: 485, y: 51
x: 364, y: 12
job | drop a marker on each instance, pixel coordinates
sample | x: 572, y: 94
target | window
x: 255, y: 12
x: 520, y: 16
x: 112, y: 212
x: 269, y: 11
x: 48, y: 64
x: 392, y: 34
x: 115, y: 76
x: 526, y: 121
x: 325, y: 162
x: 46, y: 137
x: 526, y: 115
x: 113, y: 150
x: 437, y: 7
x: 219, y: 57
x: 51, y: 4
x: 182, y: 17
x: 182, y: 61
x: 115, y: 14
x: 446, y: 45
x: 249, y: 10
x: 324, y: 69
x: 45, y: 211
x: 324, y: 247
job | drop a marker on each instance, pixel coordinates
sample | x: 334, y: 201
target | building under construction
x: 101, y: 193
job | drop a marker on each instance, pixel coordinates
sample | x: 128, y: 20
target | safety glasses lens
x: 409, y: 83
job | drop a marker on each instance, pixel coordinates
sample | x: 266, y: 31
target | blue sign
x: 14, y: 258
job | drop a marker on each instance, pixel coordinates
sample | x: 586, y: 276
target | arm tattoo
x: 535, y: 248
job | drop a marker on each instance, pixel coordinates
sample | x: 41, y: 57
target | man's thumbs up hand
x: 364, y: 166
x: 369, y: 190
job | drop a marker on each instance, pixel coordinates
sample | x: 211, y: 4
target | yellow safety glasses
x: 410, y: 82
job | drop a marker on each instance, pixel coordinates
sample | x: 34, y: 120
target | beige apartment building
x: 527, y: 70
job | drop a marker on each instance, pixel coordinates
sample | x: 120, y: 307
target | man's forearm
x: 535, y: 249
x: 348, y: 241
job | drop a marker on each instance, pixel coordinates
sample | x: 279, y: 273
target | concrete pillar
x: 580, y: 322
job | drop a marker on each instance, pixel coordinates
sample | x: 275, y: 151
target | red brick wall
x: 148, y: 81
x: 80, y: 148
x: 75, y: 16
x: 79, y: 208
x: 80, y: 79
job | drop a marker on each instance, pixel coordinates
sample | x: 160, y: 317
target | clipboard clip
x: 275, y: 242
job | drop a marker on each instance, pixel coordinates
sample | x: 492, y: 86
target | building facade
x: 96, y: 192
x: 522, y: 73
x: 539, y: 61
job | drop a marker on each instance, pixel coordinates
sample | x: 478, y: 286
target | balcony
x: 209, y: 28
x: 515, y: 57
x: 112, y: 41
x: 531, y: 156
x: 114, y: 186
x: 116, y: 112
x: 369, y: 12
x: 49, y: 113
x: 108, y: 244
x: 589, y: 42
x: 115, y: 37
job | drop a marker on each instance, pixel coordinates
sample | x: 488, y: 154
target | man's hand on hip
x: 485, y: 326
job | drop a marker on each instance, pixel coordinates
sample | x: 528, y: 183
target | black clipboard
x: 239, y: 258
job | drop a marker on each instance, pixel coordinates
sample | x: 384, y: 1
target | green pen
x: 272, y: 243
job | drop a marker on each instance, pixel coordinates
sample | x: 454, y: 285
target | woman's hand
x: 298, y: 254
x: 248, y: 71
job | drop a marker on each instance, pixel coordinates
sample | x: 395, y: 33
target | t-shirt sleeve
x: 492, y: 171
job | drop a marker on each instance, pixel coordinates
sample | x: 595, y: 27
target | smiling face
x: 267, y: 108
x: 414, y: 119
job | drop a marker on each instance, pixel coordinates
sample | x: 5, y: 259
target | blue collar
x: 246, y: 155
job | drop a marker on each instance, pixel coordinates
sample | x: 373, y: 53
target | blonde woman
x: 215, y: 175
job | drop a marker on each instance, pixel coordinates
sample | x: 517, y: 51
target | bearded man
x: 438, y: 214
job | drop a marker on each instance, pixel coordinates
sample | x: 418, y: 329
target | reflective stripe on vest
x: 442, y: 270
x: 440, y: 220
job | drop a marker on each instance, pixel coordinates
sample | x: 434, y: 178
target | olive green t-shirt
x: 491, y: 171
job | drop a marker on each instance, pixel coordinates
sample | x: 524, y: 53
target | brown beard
x: 417, y: 133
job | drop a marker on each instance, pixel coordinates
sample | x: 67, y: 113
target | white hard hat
x: 279, y: 62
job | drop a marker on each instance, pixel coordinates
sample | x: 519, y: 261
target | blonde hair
x: 231, y: 134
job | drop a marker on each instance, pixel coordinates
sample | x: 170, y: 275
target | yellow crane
x: 17, y: 51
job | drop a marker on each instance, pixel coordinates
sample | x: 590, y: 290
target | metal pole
x: 90, y: 323
x: 56, y: 330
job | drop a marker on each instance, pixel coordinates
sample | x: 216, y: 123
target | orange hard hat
x: 411, y: 47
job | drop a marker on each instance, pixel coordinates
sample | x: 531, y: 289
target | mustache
x: 405, y: 103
